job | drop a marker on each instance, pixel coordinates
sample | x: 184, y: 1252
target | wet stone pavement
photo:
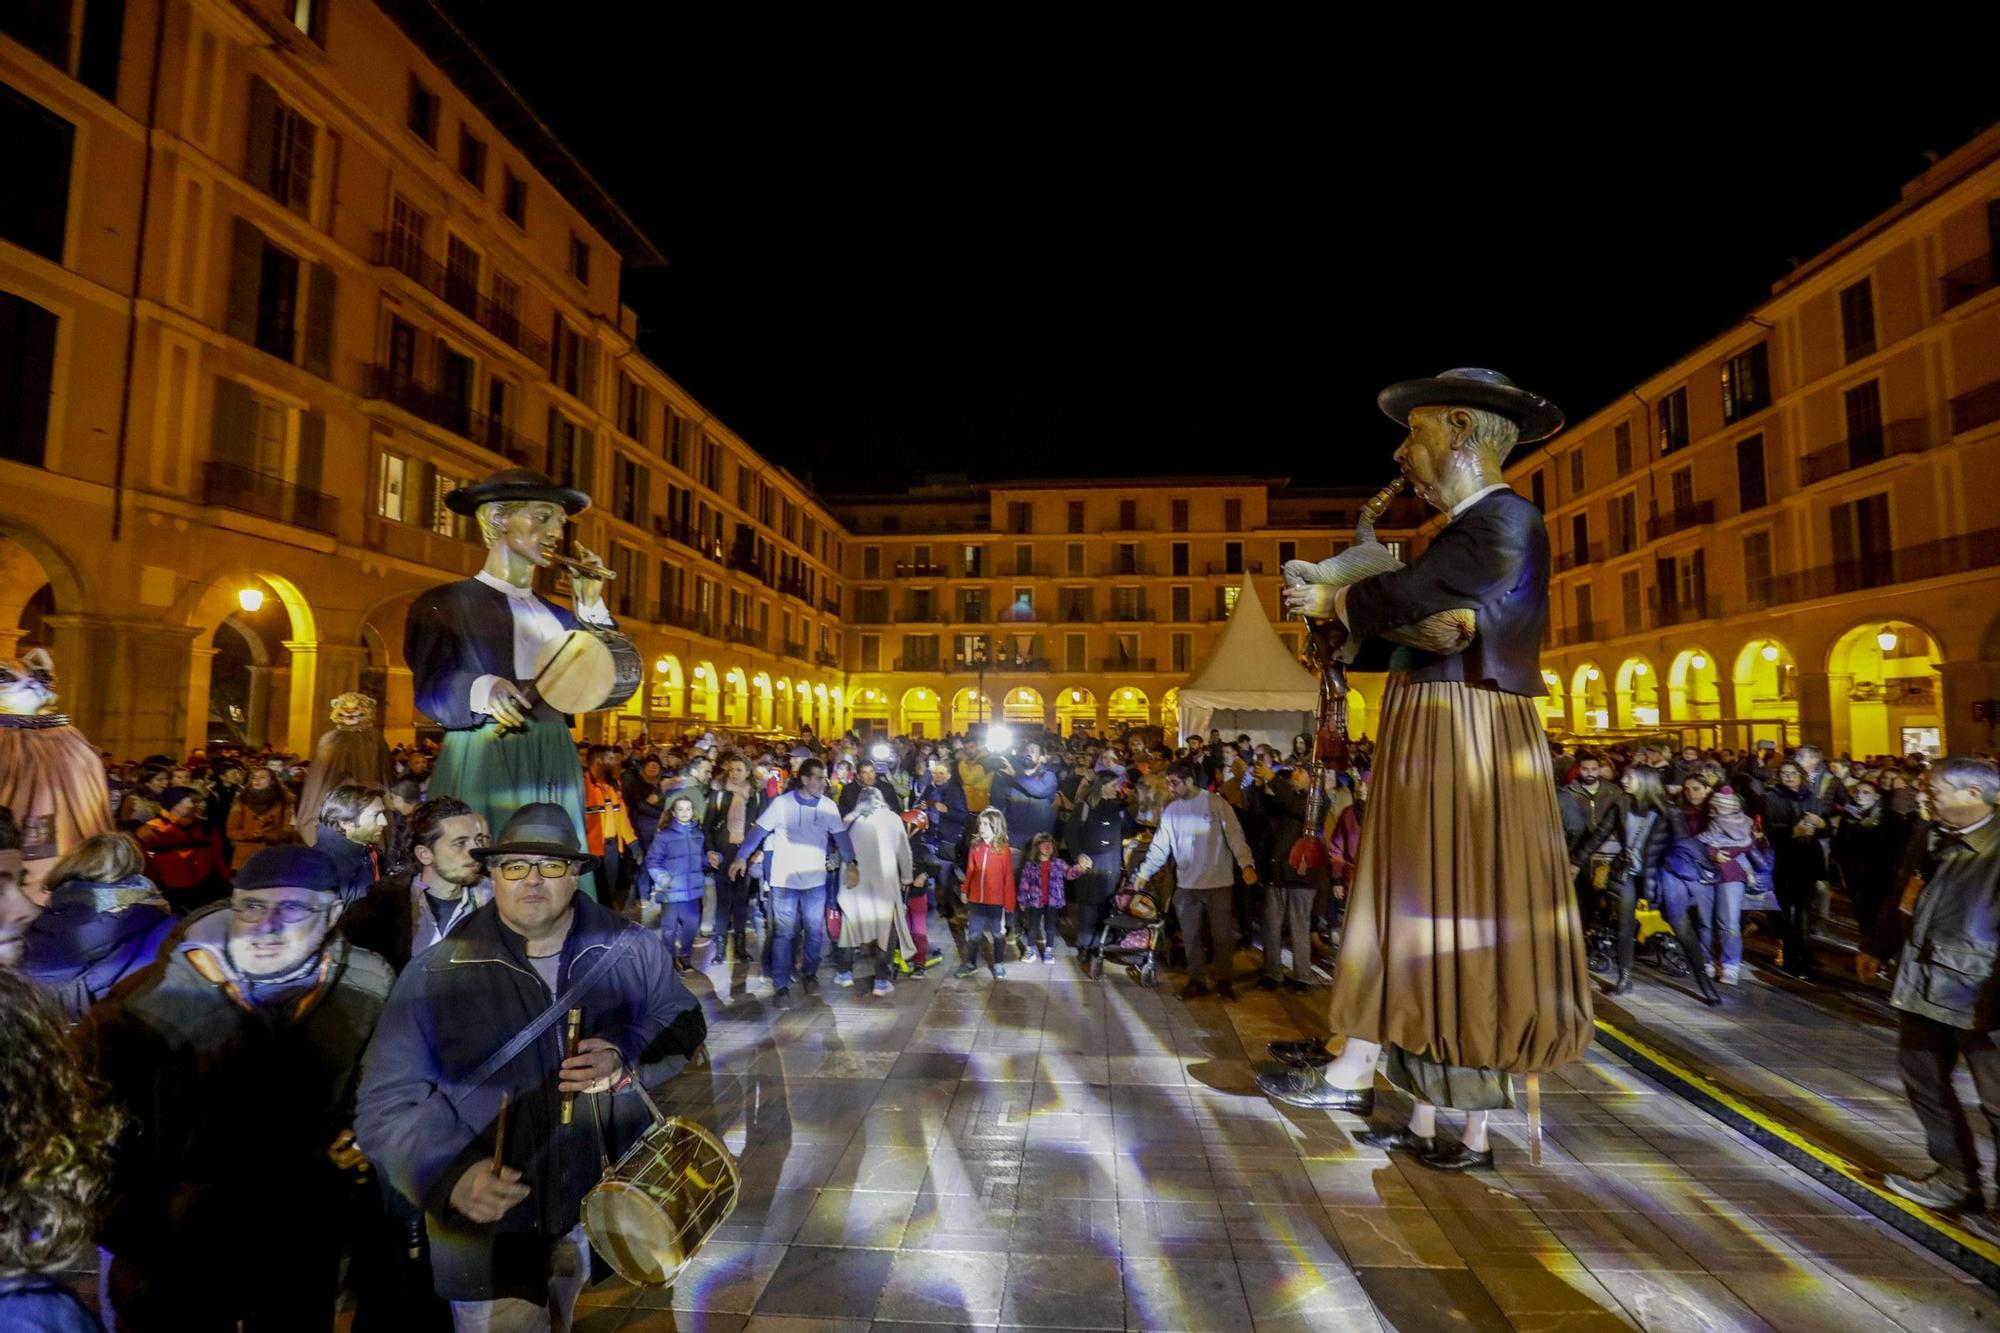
x: 1047, y: 1152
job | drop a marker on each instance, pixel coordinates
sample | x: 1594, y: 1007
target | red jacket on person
x: 989, y: 876
x: 181, y: 856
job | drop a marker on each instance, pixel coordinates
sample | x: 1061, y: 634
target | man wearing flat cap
x: 235, y: 1060
x: 472, y: 648
x: 1463, y: 955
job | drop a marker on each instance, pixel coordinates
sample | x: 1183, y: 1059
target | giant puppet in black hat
x: 1462, y: 956
x: 478, y: 647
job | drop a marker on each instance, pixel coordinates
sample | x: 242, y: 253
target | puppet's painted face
x: 1425, y: 456
x: 353, y: 710
x: 27, y: 683
x: 533, y: 530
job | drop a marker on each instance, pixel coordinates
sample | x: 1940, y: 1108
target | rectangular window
x: 1125, y: 560
x: 278, y: 158
x: 506, y: 302
x: 1750, y: 488
x: 1681, y: 484
x: 972, y: 558
x: 871, y: 562
x: 27, y: 368
x: 632, y: 408
x: 1674, y: 421
x: 1020, y: 516
x: 421, y: 114
x: 1537, y: 491
x: 1073, y: 560
x: 972, y: 606
x: 392, y: 490
x: 1632, y: 601
x: 1180, y: 515
x: 1586, y: 623
x: 579, y: 258
x: 1024, y: 558
x: 871, y: 652
x: 1232, y: 557
x: 1076, y: 652
x: 1576, y: 472
x: 1023, y: 606
x: 472, y: 158
x: 1862, y: 406
x: 1757, y: 567
x: 309, y: 17
x: 461, y: 276
x: 1125, y: 604
x: 1861, y: 555
x: 1073, y: 516
x: 1857, y: 320
x: 443, y: 521
x: 1746, y: 383
x: 627, y: 593
x: 1179, y: 553
x: 1621, y: 447
x: 1128, y: 516
x: 1232, y: 516
x: 1624, y: 523
x: 570, y: 447
x: 1183, y: 648
x: 514, y: 199
x: 1183, y: 603
x: 675, y: 444
x: 1579, y: 539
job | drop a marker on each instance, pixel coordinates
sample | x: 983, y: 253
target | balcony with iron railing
x: 1966, y: 281
x: 1128, y: 569
x: 1699, y: 514
x: 1910, y: 564
x: 399, y: 251
x: 794, y: 587
x: 1239, y: 567
x: 1685, y: 612
x: 1017, y: 615
x: 1014, y: 665
x: 676, y: 616
x: 429, y: 403
x: 830, y: 605
x: 799, y: 650
x: 748, y: 635
x: 1578, y: 557
x: 905, y: 569
x: 1908, y: 436
x: 1076, y: 614
x: 1588, y: 631
x: 248, y: 491
x: 1028, y: 572
x: 827, y: 659
x: 1129, y: 615
x: 922, y: 615
x: 1975, y: 408
x: 921, y: 662
x: 1128, y: 665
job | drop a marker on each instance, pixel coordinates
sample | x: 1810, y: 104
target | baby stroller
x: 1136, y: 924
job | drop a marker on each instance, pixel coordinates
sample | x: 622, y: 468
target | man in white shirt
x: 472, y: 648
x: 1201, y: 833
x: 797, y: 828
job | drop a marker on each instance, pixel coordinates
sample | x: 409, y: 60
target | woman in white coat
x: 872, y: 910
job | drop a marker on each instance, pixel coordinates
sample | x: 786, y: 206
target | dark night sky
x: 1101, y: 254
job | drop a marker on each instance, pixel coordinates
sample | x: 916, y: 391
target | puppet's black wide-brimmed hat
x: 1470, y: 386
x: 515, y: 483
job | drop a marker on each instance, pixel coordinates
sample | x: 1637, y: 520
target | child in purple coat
x: 1043, y: 875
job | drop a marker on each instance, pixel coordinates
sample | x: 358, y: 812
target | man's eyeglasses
x: 288, y: 913
x: 515, y: 871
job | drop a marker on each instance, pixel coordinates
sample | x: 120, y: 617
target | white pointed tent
x: 1251, y: 683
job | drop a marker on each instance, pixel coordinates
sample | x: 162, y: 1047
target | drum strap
x: 540, y: 1024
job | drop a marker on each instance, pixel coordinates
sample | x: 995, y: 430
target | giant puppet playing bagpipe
x: 1330, y: 651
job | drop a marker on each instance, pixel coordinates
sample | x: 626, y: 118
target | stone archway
x: 303, y: 678
x: 1075, y: 706
x: 1636, y: 698
x: 922, y: 715
x: 1883, y: 687
x: 705, y: 697
x: 1766, y: 681
x: 669, y: 688
x: 1590, y: 699
x: 736, y: 698
x: 761, y: 708
x: 1694, y: 686
x: 969, y: 708
x: 1128, y: 706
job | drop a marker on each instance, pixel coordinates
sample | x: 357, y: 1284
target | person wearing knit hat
x: 184, y: 855
x: 236, y: 1057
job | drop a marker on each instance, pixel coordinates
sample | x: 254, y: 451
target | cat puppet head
x: 27, y: 683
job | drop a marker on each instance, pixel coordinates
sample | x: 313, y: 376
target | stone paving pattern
x: 1048, y: 1152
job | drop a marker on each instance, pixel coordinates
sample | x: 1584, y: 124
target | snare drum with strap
x: 662, y: 1201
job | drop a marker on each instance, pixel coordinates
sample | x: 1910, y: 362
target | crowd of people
x: 262, y: 992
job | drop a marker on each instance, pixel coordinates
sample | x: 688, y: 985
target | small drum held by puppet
x: 661, y: 1203
x: 587, y: 671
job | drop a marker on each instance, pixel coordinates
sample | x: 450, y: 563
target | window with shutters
x: 264, y: 301
x: 461, y: 276
x: 407, y: 227
x: 1585, y: 621
x: 579, y: 258
x: 1579, y: 538
x: 27, y: 368
x: 1126, y: 604
x: 395, y: 488
x: 632, y: 488
x: 421, y: 111
x: 1632, y: 600
x: 455, y: 376
x: 472, y: 158
x: 1857, y: 320
x: 1621, y: 448
x: 1681, y: 485
x: 1226, y: 599
x: 1232, y: 516
x: 1128, y: 516
x: 569, y: 452
x: 628, y: 590
x: 1179, y: 515
x: 1862, y: 406
x: 445, y: 521
x: 1287, y: 552
x: 1020, y: 516
x: 675, y: 443
x: 1537, y: 490
x: 506, y: 301
x: 1178, y: 553
x: 573, y: 360
x: 309, y: 17
x: 278, y: 155
x: 971, y: 558
x: 35, y: 153
x: 1750, y: 487
x: 1183, y: 603
x: 1746, y: 383
x: 1673, y: 418
x: 1232, y: 557
x: 1076, y: 652
x: 1861, y: 552
x: 711, y: 464
x: 1024, y: 558
x: 871, y: 652
x: 514, y: 199
x: 634, y: 404
x: 1757, y: 566
x: 1624, y: 523
x: 1576, y: 472
x: 1073, y: 515
x: 1073, y: 559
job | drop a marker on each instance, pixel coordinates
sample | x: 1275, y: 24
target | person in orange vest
x: 606, y: 825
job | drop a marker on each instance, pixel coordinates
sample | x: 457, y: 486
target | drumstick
x: 569, y: 1050
x: 500, y: 1134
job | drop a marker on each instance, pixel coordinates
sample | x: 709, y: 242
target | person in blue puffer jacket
x: 675, y: 865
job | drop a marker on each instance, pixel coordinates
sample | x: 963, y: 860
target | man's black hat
x: 1470, y: 386
x: 515, y: 483
x: 541, y: 829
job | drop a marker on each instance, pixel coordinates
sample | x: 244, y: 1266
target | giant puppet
x: 501, y: 668
x: 1462, y: 958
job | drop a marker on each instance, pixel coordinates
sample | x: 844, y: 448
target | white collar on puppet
x: 1469, y: 500
x: 501, y: 585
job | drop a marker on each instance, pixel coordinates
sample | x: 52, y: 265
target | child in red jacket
x: 988, y: 891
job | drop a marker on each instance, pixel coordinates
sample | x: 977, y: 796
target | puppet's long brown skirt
x: 1462, y: 944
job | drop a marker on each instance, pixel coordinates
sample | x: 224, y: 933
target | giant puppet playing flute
x: 501, y: 668
x: 1462, y: 957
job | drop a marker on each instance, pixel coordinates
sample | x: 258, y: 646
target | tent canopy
x: 1251, y: 682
